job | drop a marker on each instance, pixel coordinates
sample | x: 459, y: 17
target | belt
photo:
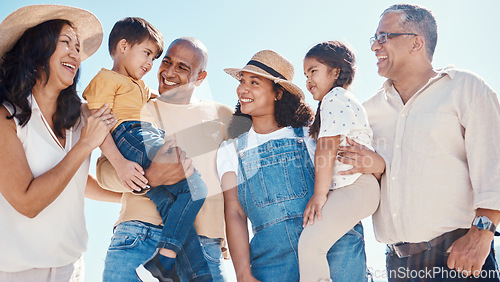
x: 404, y: 250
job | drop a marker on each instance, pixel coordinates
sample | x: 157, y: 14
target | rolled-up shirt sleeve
x: 481, y: 123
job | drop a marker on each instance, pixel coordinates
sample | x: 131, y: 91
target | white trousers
x: 343, y: 209
x: 73, y: 272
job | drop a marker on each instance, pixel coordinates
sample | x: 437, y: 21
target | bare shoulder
x: 7, y: 125
x: 12, y: 156
x: 16, y: 174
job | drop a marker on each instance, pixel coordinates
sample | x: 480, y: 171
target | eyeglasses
x: 382, y: 37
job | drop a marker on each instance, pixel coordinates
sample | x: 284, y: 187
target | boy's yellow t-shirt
x: 125, y: 96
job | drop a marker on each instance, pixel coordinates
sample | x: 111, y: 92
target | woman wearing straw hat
x: 267, y: 175
x: 46, y: 142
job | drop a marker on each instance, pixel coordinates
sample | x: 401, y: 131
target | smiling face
x: 256, y: 95
x: 181, y: 66
x: 65, y: 60
x: 138, y: 58
x: 320, y: 78
x: 393, y: 55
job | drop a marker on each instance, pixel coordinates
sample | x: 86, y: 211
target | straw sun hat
x: 270, y: 65
x: 86, y: 25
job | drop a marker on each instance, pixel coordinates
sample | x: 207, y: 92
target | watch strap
x: 480, y: 225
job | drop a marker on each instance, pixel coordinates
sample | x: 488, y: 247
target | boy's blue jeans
x: 178, y: 204
x: 133, y: 241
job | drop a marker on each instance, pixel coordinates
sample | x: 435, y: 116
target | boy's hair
x: 135, y: 30
x: 290, y: 110
x: 333, y: 54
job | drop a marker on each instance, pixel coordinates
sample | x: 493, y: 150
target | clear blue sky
x: 234, y: 30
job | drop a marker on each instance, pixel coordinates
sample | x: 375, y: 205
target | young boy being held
x: 133, y: 44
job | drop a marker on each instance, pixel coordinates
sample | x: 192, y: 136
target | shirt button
x: 397, y: 146
x: 300, y: 141
x: 393, y: 178
x: 402, y: 115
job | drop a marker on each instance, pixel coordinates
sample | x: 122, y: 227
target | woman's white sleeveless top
x: 57, y: 236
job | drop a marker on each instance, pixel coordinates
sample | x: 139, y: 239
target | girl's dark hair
x: 290, y: 110
x: 23, y: 65
x: 333, y: 54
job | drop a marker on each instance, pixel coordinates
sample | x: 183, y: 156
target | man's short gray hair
x: 418, y: 20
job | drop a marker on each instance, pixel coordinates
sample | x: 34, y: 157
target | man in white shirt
x: 438, y: 133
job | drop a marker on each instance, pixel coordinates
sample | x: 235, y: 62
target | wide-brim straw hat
x: 270, y: 65
x: 86, y: 25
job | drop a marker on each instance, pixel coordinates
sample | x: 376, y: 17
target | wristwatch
x: 484, y: 223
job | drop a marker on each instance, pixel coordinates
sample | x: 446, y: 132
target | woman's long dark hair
x: 22, y: 67
x: 333, y: 54
x: 290, y: 110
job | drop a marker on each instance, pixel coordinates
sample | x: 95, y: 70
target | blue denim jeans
x: 178, y: 204
x: 212, y: 250
x: 275, y: 182
x: 431, y: 265
x: 347, y: 257
x: 133, y: 242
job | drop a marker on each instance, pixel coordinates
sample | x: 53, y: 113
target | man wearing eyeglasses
x: 438, y: 131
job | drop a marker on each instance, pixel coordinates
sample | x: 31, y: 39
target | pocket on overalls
x: 276, y: 178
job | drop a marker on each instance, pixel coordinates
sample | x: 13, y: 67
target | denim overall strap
x: 299, y: 132
x: 242, y: 141
x: 242, y: 144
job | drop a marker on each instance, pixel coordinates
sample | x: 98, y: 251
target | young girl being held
x: 339, y: 201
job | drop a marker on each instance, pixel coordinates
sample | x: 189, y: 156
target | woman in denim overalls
x: 272, y: 168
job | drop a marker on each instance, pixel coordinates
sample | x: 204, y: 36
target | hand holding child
x: 361, y: 158
x: 169, y: 166
x: 97, y: 126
